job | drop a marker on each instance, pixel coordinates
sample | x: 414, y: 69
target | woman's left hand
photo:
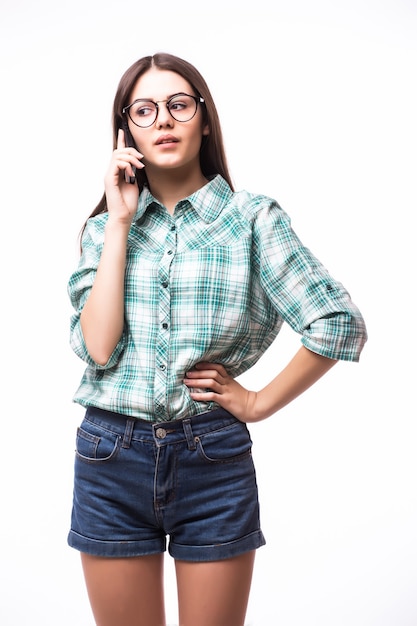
x: 221, y: 388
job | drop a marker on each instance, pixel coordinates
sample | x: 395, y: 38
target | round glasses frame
x: 197, y: 99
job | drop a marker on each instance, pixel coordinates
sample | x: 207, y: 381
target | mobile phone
x: 131, y: 144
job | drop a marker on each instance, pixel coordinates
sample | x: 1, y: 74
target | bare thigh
x: 125, y: 591
x: 216, y: 592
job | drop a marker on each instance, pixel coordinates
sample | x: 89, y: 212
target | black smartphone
x: 131, y: 144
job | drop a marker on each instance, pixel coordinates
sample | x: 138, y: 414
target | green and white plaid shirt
x: 214, y: 282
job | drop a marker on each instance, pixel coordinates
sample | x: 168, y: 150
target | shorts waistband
x: 162, y: 433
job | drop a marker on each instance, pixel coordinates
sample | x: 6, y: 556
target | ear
x: 206, y: 130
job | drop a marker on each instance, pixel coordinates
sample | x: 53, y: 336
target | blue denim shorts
x: 137, y: 483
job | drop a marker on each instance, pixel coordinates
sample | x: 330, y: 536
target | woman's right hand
x: 122, y: 196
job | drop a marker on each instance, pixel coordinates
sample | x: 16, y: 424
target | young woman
x: 181, y: 286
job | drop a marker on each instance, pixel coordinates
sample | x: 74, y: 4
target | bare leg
x: 216, y: 592
x: 126, y: 592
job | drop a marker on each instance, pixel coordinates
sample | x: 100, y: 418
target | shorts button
x: 161, y: 433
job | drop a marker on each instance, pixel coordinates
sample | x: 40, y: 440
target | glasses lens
x: 143, y: 113
x: 182, y: 107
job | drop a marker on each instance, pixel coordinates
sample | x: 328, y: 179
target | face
x: 167, y: 144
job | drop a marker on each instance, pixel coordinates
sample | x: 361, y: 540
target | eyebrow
x: 176, y: 93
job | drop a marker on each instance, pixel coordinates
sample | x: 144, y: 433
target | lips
x: 166, y: 139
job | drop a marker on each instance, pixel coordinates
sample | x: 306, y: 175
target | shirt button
x: 164, y: 325
x: 162, y: 366
x: 164, y: 284
x: 161, y: 433
x: 169, y: 252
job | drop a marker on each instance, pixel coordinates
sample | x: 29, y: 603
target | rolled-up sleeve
x: 79, y: 287
x: 302, y: 291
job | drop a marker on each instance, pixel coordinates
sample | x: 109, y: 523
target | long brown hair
x: 212, y: 154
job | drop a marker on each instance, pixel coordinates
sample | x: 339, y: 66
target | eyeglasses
x: 182, y: 107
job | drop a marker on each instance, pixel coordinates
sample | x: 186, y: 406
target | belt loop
x: 186, y: 424
x: 127, y: 437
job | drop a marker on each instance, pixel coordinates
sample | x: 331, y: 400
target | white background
x: 335, y: 143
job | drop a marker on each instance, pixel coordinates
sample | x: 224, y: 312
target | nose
x: 164, y: 117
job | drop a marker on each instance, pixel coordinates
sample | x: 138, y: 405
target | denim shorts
x: 137, y: 483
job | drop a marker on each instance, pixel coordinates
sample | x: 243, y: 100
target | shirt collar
x: 207, y: 201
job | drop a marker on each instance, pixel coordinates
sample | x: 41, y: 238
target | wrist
x: 256, y: 409
x: 263, y: 406
x: 117, y: 226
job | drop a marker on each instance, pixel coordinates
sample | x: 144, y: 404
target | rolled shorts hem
x: 126, y: 549
x: 218, y: 551
x: 115, y: 549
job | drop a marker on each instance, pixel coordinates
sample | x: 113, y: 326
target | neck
x: 171, y: 186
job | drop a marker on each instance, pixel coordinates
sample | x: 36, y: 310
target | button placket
x: 163, y: 337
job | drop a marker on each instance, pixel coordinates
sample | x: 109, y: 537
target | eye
x: 143, y: 109
x: 181, y: 103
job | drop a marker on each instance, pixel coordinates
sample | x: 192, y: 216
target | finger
x: 121, y: 142
x: 204, y: 383
x: 205, y: 365
x: 205, y: 396
x: 122, y: 161
x: 209, y: 373
x: 128, y: 161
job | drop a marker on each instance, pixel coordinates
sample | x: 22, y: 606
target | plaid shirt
x: 214, y: 282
